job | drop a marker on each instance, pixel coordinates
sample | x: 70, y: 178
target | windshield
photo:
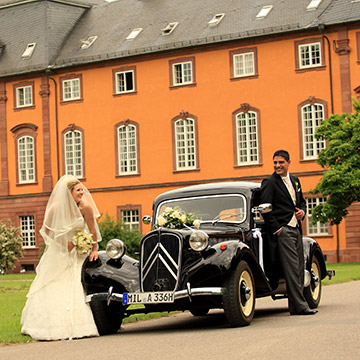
x: 215, y: 208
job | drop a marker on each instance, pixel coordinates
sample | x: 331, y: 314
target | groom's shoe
x: 306, y: 312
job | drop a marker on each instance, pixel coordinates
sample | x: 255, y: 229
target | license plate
x: 148, y: 297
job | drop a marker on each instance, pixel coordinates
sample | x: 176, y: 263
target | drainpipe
x: 321, y: 28
x: 48, y: 72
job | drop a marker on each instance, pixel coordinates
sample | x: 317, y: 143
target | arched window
x: 26, y: 159
x: 73, y: 151
x: 246, y: 135
x: 127, y: 144
x: 312, y: 113
x: 185, y: 142
x: 25, y: 149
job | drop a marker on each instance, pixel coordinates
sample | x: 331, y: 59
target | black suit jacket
x: 274, y: 191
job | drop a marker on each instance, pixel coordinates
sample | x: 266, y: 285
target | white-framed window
x: 216, y: 20
x: 124, y: 82
x: 26, y: 159
x: 247, y: 138
x: 134, y: 34
x: 185, y: 144
x: 127, y: 149
x: 312, y: 115
x: 244, y: 64
x: 318, y: 228
x: 27, y: 228
x: 313, y: 5
x: 74, y: 153
x: 24, y: 96
x: 309, y: 55
x: 71, y: 89
x: 169, y: 28
x: 264, y: 12
x: 130, y: 219
x: 182, y: 73
x: 28, y: 51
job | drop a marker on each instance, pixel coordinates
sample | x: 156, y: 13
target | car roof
x: 239, y: 187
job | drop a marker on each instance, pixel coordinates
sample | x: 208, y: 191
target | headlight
x: 115, y: 249
x: 198, y: 240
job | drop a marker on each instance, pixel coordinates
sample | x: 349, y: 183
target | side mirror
x: 263, y: 208
x: 146, y: 220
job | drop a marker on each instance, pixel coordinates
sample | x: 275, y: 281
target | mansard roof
x: 69, y: 33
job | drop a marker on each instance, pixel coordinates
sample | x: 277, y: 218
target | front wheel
x: 312, y: 292
x: 239, y: 300
x: 199, y: 311
x: 108, y: 319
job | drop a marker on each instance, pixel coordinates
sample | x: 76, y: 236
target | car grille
x: 160, y: 260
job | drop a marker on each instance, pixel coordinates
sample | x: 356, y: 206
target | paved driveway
x: 333, y: 333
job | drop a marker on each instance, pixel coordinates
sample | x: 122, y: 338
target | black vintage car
x: 221, y: 263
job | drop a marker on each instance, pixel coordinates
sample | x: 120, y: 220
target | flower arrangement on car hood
x: 175, y: 218
x: 83, y: 242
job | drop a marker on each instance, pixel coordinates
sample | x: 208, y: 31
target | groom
x: 283, y: 191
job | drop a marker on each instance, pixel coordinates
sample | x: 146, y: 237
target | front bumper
x: 188, y: 292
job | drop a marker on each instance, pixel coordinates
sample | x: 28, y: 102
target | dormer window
x: 170, y: 28
x: 264, y: 12
x: 29, y: 51
x: 216, y: 20
x: 134, y: 34
x: 313, y: 5
x: 88, y: 42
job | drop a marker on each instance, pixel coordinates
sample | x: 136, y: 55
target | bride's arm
x: 87, y: 212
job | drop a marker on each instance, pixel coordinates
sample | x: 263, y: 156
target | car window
x: 231, y: 208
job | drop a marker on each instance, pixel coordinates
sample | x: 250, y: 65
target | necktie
x: 293, y: 221
x: 290, y: 188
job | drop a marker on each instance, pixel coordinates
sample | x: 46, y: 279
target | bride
x: 55, y: 307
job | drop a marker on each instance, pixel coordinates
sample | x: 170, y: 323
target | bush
x: 111, y: 229
x: 10, y: 246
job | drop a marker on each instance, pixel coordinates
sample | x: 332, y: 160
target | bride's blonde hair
x: 72, y: 183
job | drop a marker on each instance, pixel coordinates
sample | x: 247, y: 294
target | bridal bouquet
x: 83, y: 242
x: 175, y: 218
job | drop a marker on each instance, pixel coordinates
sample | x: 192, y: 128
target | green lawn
x: 13, y: 290
x: 344, y: 272
x: 12, y: 300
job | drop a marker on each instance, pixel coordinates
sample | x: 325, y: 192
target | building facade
x: 140, y: 97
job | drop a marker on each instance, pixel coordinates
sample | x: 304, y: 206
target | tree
x: 10, y: 246
x: 111, y: 229
x: 341, y: 161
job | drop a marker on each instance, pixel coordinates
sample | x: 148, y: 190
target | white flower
x: 175, y: 218
x: 197, y: 223
x: 176, y: 214
x: 161, y: 220
x: 83, y: 242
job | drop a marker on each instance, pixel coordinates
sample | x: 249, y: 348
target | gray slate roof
x: 58, y: 26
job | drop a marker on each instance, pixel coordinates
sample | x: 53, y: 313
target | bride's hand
x: 93, y: 255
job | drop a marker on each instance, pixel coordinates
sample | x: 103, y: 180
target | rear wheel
x: 239, y: 300
x: 312, y: 292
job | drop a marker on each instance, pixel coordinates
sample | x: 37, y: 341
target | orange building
x: 140, y: 97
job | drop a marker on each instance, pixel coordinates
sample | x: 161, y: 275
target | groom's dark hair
x: 282, y: 153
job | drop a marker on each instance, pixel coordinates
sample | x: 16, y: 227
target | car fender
x: 122, y: 274
x: 311, y: 249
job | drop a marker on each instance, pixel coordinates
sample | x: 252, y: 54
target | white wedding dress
x: 55, y: 308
